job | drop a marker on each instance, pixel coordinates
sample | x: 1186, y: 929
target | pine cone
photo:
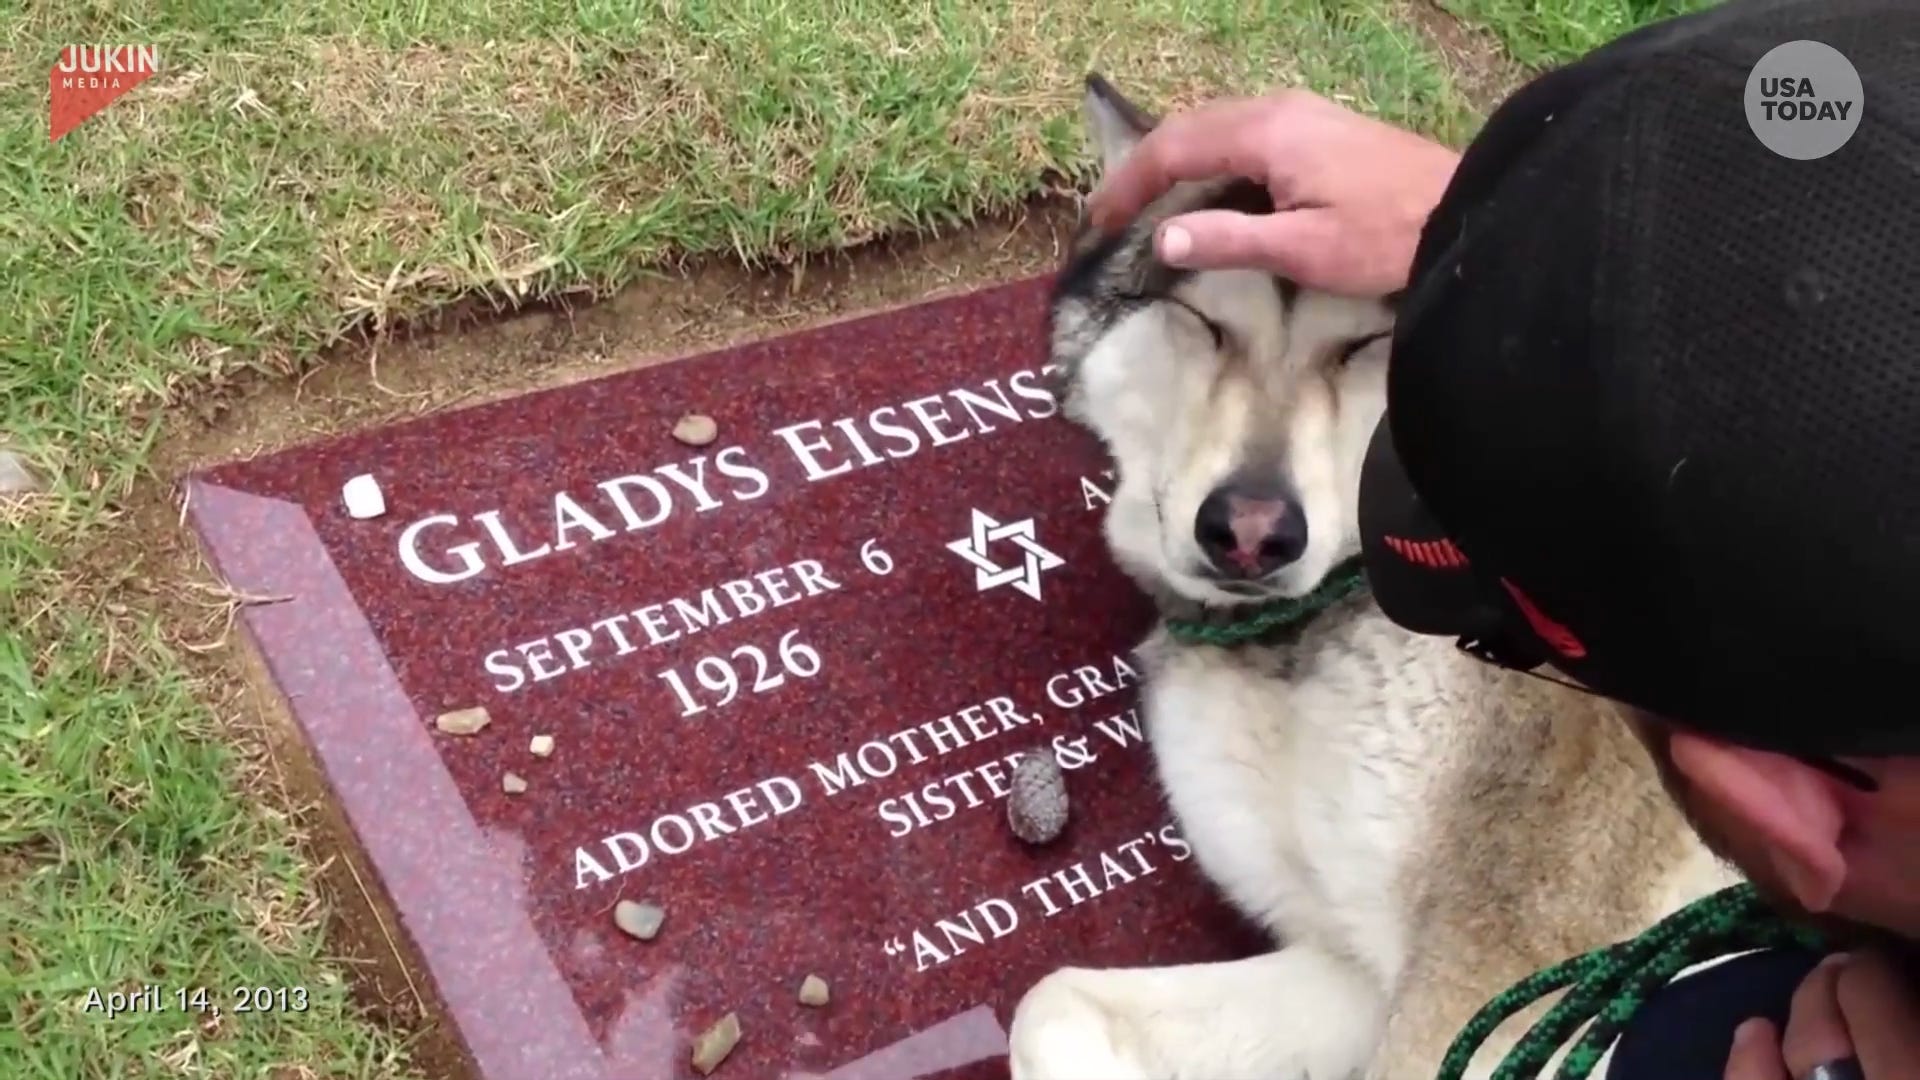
x: 1037, y: 798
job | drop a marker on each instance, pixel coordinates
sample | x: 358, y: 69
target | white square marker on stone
x: 364, y: 498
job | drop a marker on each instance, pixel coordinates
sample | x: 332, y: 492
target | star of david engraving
x: 987, y: 574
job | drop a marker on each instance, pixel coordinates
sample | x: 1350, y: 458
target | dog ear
x: 1114, y: 124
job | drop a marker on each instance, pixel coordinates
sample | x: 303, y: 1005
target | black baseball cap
x: 1654, y: 398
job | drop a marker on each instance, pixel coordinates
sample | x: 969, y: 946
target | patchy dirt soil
x: 1480, y: 64
x: 667, y: 317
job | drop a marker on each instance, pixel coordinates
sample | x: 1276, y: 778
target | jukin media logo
x: 88, y: 78
x: 1804, y: 100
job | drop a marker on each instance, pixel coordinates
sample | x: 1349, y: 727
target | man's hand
x: 1854, y: 1006
x: 1354, y: 192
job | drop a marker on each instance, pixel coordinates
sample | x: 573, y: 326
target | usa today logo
x: 1804, y: 100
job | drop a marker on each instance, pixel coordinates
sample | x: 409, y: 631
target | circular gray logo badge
x: 1804, y: 100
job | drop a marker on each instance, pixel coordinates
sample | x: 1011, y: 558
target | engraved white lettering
x: 678, y: 832
x: 665, y: 621
x: 1082, y: 881
x: 568, y: 514
x: 635, y: 502
x: 466, y: 553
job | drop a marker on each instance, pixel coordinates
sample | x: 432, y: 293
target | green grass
x: 293, y: 175
x: 1546, y: 33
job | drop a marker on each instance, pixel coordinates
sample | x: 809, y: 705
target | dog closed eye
x: 1348, y: 351
x: 1218, y: 331
x: 1215, y: 329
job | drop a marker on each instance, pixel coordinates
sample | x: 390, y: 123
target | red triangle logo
x: 88, y: 78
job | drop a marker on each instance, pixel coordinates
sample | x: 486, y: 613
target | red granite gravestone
x: 785, y: 675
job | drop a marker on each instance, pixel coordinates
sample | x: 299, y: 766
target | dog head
x: 1237, y: 406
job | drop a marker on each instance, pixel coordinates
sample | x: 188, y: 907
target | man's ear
x: 1114, y: 124
x: 1795, y: 809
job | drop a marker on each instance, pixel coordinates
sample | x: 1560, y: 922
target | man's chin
x: 1839, y: 933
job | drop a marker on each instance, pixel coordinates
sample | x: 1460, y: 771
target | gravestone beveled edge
x: 365, y: 933
x: 468, y: 905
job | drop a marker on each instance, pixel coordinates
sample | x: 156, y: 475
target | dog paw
x: 1063, y: 1030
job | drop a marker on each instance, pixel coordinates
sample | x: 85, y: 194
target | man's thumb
x: 1228, y: 239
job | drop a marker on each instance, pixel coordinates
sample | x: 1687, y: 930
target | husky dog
x: 1418, y: 830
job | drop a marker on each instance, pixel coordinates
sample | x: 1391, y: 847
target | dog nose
x: 1249, y: 535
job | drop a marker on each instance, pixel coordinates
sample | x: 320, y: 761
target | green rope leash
x: 1609, y: 984
x: 1275, y: 616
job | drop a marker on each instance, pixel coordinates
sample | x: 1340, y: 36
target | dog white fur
x: 1418, y: 830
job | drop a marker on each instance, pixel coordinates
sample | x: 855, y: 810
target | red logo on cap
x: 1551, y: 632
x: 1443, y: 555
x: 1432, y: 554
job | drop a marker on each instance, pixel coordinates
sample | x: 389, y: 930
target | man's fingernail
x: 1750, y: 1032
x: 1176, y: 244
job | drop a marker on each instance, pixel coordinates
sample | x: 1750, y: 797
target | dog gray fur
x: 1416, y: 830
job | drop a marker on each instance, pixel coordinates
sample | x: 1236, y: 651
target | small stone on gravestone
x: 813, y: 991
x: 1037, y: 798
x: 639, y: 920
x: 696, y: 430
x: 540, y: 746
x: 463, y: 721
x: 513, y: 784
x: 714, y: 1044
x: 363, y: 497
